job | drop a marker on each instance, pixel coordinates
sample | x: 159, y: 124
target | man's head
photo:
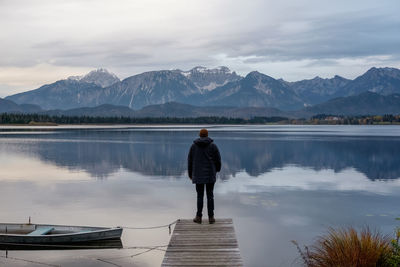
x: 203, y: 133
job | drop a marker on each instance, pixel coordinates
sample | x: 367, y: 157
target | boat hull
x: 99, y: 244
x: 60, y: 234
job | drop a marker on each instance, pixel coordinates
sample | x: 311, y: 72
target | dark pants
x: 210, y: 199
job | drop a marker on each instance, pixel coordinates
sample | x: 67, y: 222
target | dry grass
x: 347, y: 247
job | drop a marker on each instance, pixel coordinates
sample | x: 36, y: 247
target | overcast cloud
x: 43, y: 41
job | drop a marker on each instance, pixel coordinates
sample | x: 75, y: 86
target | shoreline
x: 322, y: 119
x: 183, y: 125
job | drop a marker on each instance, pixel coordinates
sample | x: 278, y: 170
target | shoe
x: 211, y: 220
x: 197, y: 219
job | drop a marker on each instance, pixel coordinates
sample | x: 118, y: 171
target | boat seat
x: 41, y: 231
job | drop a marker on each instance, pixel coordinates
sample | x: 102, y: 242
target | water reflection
x: 266, y: 218
x: 277, y: 186
x: 163, y: 153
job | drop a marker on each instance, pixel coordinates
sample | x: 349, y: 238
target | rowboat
x: 45, y: 234
x: 99, y: 244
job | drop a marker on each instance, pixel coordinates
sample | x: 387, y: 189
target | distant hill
x: 8, y: 106
x: 105, y: 110
x: 179, y: 110
x: 367, y: 103
x: 171, y: 109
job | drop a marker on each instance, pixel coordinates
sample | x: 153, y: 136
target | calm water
x: 278, y: 183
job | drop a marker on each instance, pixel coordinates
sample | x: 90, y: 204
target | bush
x: 394, y: 259
x: 347, y: 247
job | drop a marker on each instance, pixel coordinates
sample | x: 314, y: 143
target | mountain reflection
x: 163, y: 153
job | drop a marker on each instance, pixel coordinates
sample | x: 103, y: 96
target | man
x: 204, y: 161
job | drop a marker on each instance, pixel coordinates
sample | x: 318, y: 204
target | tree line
x: 37, y: 119
x: 6, y: 118
x: 355, y: 120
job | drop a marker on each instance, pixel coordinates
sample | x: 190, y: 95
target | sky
x: 42, y: 41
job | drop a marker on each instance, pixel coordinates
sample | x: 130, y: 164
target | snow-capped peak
x: 220, y: 69
x: 101, y: 72
x: 204, y: 70
x: 75, y: 78
x: 199, y: 69
x: 101, y: 77
x: 208, y: 79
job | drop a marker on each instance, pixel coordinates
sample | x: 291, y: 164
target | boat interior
x: 42, y: 229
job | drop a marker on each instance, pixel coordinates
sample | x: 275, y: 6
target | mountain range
x: 367, y: 103
x: 209, y: 92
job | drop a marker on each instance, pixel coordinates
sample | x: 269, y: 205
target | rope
x: 152, y: 227
x: 108, y: 260
x: 147, y: 247
x: 131, y: 256
x: 105, y: 260
x: 29, y: 261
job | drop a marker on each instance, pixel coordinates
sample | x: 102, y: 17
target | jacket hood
x: 203, y: 141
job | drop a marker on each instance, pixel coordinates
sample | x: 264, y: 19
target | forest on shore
x: 38, y: 119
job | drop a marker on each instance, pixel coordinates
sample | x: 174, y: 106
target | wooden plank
x: 203, y: 244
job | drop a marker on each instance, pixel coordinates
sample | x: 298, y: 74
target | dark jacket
x: 204, y: 161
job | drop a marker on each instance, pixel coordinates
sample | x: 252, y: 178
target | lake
x: 278, y: 183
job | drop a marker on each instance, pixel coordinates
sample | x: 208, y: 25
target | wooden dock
x: 204, y: 244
